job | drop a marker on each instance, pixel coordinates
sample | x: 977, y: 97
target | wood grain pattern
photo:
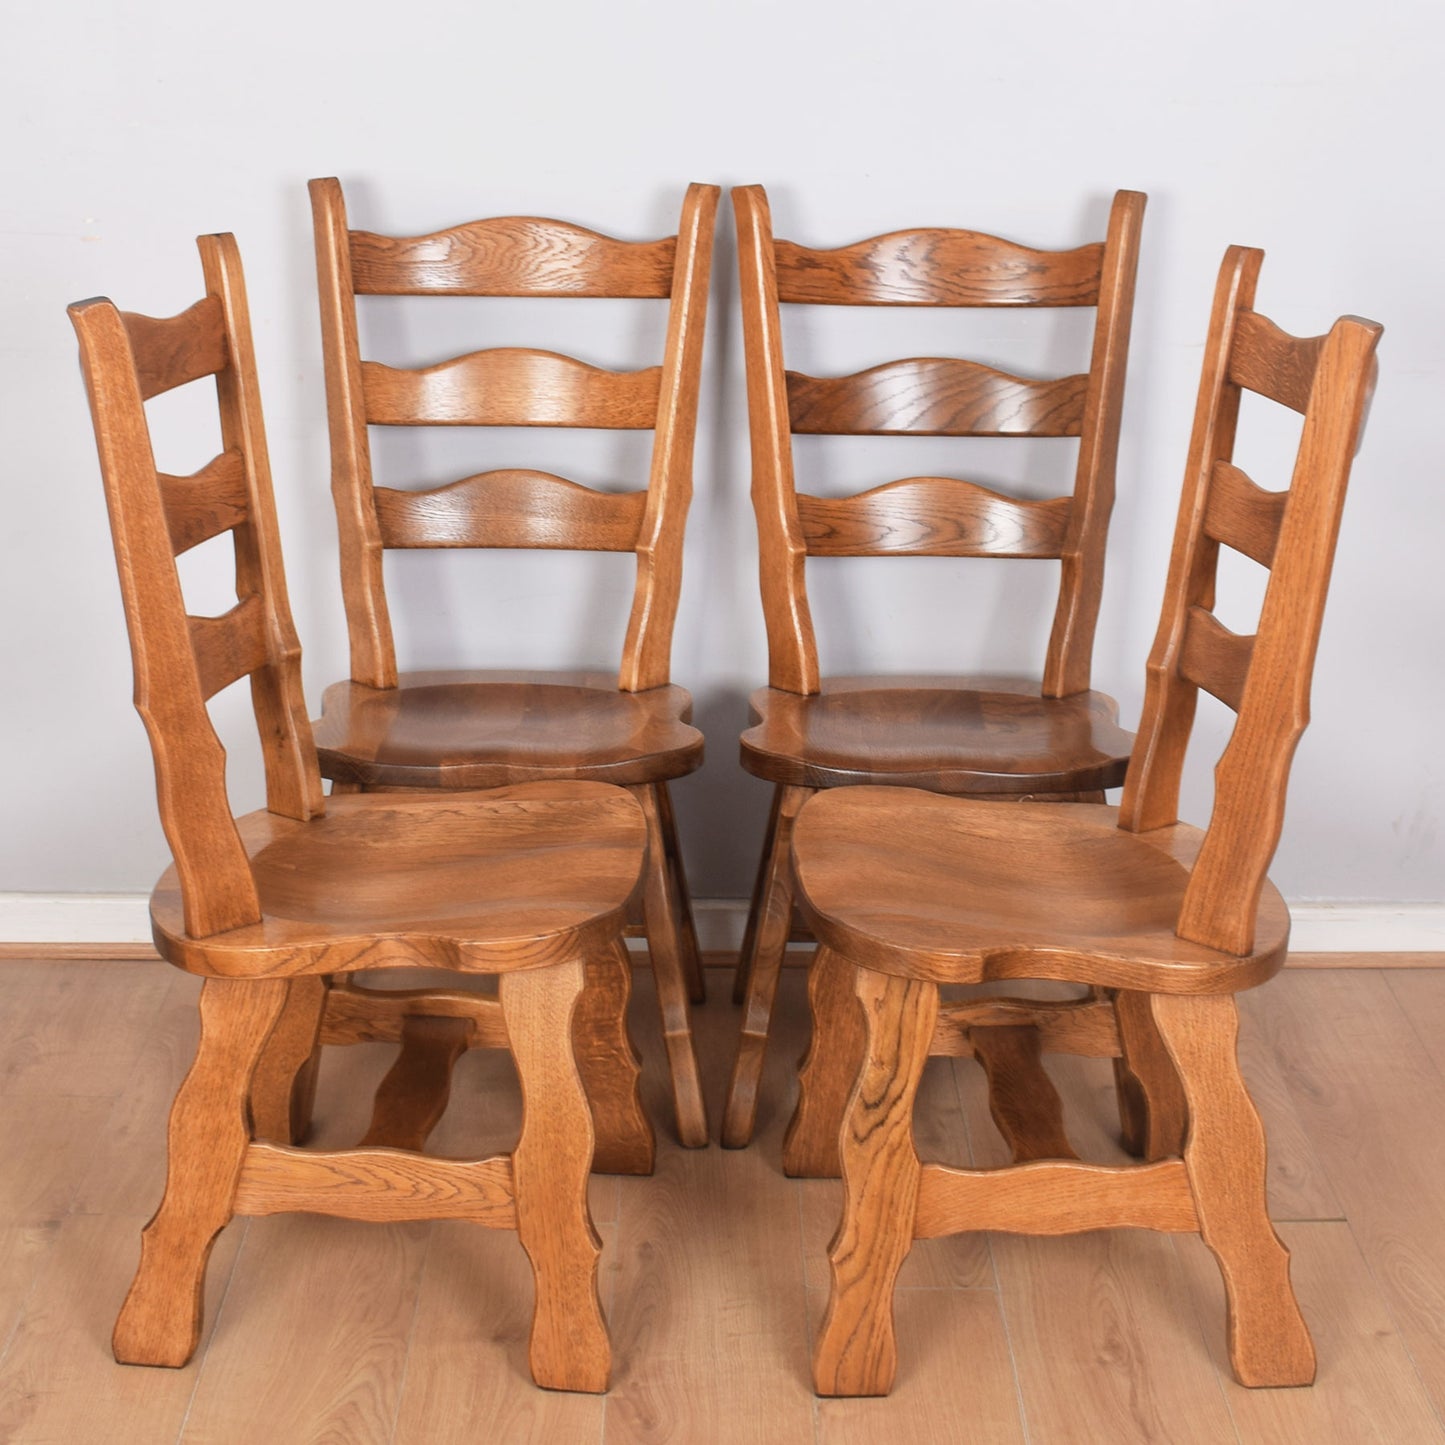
x: 377, y: 1185
x: 1274, y: 363
x: 1021, y: 1097
x: 1214, y: 658
x: 938, y: 268
x: 510, y: 256
x: 510, y: 386
x: 359, y: 1015
x: 1046, y: 1197
x: 856, y: 1351
x: 1153, y: 1110
x: 935, y: 396
x: 511, y: 508
x: 171, y: 351
x: 1083, y: 1026
x: 413, y: 1096
x: 1242, y: 515
x: 932, y: 517
x: 229, y: 647
x: 207, y: 503
x: 1269, y: 1343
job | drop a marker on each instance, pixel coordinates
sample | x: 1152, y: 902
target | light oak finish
x: 531, y: 883
x: 384, y: 729
x: 910, y: 890
x: 1008, y: 736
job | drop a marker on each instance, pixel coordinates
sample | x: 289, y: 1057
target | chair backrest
x: 512, y: 386
x: 933, y: 396
x: 181, y: 661
x: 1264, y: 678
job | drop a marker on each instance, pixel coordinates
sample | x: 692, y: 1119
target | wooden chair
x: 531, y: 883
x: 471, y: 729
x: 1171, y: 919
x: 973, y: 736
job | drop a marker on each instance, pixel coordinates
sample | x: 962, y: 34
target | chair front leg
x: 610, y: 1067
x: 550, y: 1166
x: 829, y: 1069
x: 209, y: 1131
x: 682, y: 898
x: 1224, y: 1153
x: 663, y: 945
x: 774, y: 925
x: 857, y: 1352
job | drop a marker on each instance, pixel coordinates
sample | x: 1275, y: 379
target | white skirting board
x: 103, y: 918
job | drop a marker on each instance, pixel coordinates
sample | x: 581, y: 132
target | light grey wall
x: 1310, y: 129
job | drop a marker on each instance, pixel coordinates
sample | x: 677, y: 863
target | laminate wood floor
x: 715, y: 1269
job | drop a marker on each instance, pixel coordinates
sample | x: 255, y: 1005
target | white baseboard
x: 101, y: 918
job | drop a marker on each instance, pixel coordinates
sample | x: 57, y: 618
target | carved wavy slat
x: 207, y: 503
x: 511, y: 256
x: 173, y: 350
x: 1065, y: 1026
x: 516, y: 508
x: 1214, y: 658
x: 1272, y: 362
x: 1052, y: 1198
x: 230, y: 646
x: 932, y: 517
x: 511, y: 386
x: 935, y: 396
x: 359, y: 1015
x: 376, y: 1185
x: 939, y: 268
x: 1243, y: 515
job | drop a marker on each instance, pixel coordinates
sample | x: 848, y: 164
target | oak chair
x: 477, y: 729
x: 530, y: 883
x: 975, y: 736
x: 1168, y: 919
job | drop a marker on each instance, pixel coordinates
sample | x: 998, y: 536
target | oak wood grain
x: 210, y: 501
x: 510, y: 386
x: 510, y: 508
x: 171, y: 351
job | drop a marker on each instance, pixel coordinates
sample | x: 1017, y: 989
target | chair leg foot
x: 857, y: 1352
x: 663, y: 936
x: 1269, y: 1343
x: 829, y: 1070
x: 774, y: 925
x: 209, y: 1131
x: 569, y: 1349
x: 610, y: 1068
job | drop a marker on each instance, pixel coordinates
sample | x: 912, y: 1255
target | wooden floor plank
x: 75, y: 1029
x: 955, y: 1378
x: 58, y: 1382
x: 467, y: 1377
x: 709, y: 1265
x: 1421, y: 994
x: 1105, y: 1346
x: 1373, y: 1102
x: 314, y: 1335
x: 1367, y: 1391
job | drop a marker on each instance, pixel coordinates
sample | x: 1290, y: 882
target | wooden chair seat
x: 486, y: 882
x: 951, y: 734
x: 489, y: 729
x: 967, y: 891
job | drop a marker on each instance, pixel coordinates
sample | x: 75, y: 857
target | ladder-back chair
x: 530, y: 883
x: 472, y: 729
x: 1010, y: 737
x: 1169, y: 920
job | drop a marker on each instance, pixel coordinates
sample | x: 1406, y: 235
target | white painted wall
x: 1307, y: 128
